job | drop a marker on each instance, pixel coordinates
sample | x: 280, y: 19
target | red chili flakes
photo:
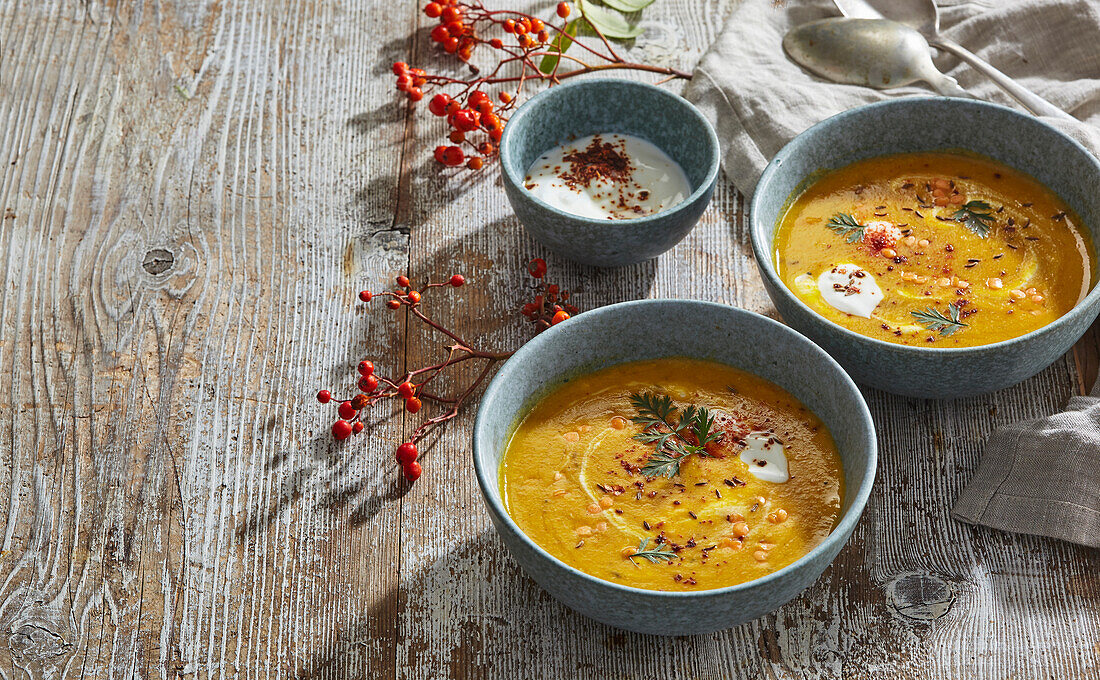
x: 600, y: 160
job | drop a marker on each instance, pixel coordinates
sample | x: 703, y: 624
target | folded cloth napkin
x: 1040, y: 477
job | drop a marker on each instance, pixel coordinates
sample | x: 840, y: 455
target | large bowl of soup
x: 671, y: 466
x: 935, y: 247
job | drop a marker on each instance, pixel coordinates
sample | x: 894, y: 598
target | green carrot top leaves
x: 938, y: 322
x: 977, y: 216
x: 847, y: 226
x: 675, y: 433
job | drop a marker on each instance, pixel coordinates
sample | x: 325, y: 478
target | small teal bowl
x: 651, y: 329
x: 608, y: 105
x: 915, y: 124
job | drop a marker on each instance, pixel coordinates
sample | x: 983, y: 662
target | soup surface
x: 934, y: 249
x: 587, y: 477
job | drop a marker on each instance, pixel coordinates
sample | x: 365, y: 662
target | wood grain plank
x: 1086, y: 358
x: 183, y: 255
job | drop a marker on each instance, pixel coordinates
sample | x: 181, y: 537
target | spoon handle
x: 1028, y: 99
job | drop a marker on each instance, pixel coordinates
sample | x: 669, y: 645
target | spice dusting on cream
x: 608, y: 176
x: 850, y: 289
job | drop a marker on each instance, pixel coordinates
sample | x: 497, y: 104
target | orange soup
x: 673, y: 474
x: 934, y: 249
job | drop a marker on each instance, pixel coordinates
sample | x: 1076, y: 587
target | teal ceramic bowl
x: 1015, y: 139
x: 649, y: 329
x: 607, y: 105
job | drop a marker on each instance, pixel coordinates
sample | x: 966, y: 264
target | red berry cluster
x: 412, y: 386
x: 406, y: 455
x: 457, y: 30
x: 537, y: 47
x: 374, y: 388
x: 453, y: 33
x: 475, y: 120
x: 551, y: 304
x: 466, y: 121
x: 410, y: 80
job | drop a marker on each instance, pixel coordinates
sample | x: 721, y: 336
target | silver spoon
x: 872, y: 52
x: 924, y: 17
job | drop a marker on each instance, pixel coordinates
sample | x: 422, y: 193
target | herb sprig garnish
x: 977, y: 216
x: 938, y: 322
x: 847, y: 226
x: 689, y: 434
x: 654, y: 555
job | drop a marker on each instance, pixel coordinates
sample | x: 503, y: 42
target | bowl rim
x: 564, y: 90
x: 487, y: 479
x: 767, y: 267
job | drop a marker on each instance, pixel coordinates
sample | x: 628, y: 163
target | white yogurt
x: 608, y: 176
x: 764, y: 455
x: 851, y: 289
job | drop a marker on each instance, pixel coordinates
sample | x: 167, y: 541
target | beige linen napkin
x: 1040, y: 477
x: 758, y: 100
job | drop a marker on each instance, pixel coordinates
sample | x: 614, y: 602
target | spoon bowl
x: 874, y: 53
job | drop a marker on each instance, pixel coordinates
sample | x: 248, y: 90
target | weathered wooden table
x: 193, y: 191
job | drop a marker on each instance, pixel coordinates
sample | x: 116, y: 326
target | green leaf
x: 938, y: 322
x: 653, y: 555
x: 560, y: 44
x: 610, y: 23
x: 652, y: 409
x: 977, y: 216
x: 655, y: 413
x: 628, y: 5
x: 662, y: 464
x: 847, y: 226
x: 702, y: 426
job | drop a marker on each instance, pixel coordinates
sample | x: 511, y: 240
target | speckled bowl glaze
x: 649, y: 329
x: 607, y: 105
x: 930, y: 124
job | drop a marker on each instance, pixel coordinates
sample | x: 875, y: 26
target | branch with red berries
x: 526, y: 49
x: 550, y: 306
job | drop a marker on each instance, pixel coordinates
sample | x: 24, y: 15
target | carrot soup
x: 934, y: 249
x: 673, y: 474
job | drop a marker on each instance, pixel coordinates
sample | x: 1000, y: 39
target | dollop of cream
x: 850, y: 289
x: 764, y: 455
